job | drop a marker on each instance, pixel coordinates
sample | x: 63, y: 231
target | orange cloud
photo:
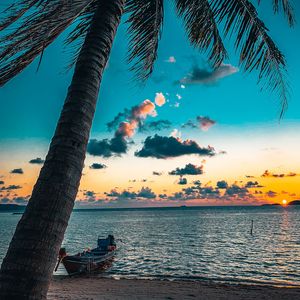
x: 160, y: 99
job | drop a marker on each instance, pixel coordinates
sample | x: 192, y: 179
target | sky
x: 189, y: 136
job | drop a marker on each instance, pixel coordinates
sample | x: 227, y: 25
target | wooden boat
x: 89, y: 260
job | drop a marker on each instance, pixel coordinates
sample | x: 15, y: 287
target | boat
x: 89, y: 260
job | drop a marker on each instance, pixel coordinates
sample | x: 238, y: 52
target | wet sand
x: 102, y: 288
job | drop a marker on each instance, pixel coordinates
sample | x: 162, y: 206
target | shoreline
x: 108, y: 288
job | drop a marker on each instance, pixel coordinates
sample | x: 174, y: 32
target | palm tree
x: 27, y: 268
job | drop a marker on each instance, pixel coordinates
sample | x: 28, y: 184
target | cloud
x: 126, y: 198
x: 163, y: 196
x: 146, y: 193
x: 204, y: 123
x: 282, y: 175
x: 15, y: 200
x: 197, y: 182
x: 21, y: 200
x: 235, y: 190
x: 124, y: 194
x: 17, y: 171
x: 189, y: 169
x: 163, y: 147
x: 160, y: 99
x: 143, y: 193
x: 271, y: 194
x: 107, y: 148
x: 209, y: 192
x: 126, y: 129
x: 10, y: 187
x: 182, y: 181
x: 175, y: 133
x: 222, y: 152
x: 288, y: 193
x: 253, y: 184
x: 171, y: 60
x: 205, y: 76
x: 222, y: 184
x: 118, y: 119
x: 222, y: 192
x: 157, y: 173
x: 189, y: 124
x: 4, y: 200
x: 136, y: 114
x: 155, y: 125
x: 178, y: 96
x: 97, y: 166
x: 90, y: 196
x: 37, y: 161
x: 140, y: 112
x: 89, y: 193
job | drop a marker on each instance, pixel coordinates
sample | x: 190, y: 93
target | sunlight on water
x: 198, y: 243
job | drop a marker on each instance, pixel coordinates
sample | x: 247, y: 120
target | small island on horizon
x: 291, y: 203
x: 10, y: 207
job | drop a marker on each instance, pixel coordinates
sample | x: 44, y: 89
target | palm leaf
x: 287, y: 8
x: 83, y: 23
x: 145, y: 26
x: 257, y: 49
x: 202, y: 29
x: 35, y: 33
x: 16, y: 11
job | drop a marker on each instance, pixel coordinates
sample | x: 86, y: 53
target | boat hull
x: 82, y: 264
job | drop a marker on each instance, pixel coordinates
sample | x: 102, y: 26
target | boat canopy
x: 104, y: 243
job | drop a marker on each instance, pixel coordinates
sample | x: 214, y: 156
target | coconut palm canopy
x: 38, y: 23
x: 209, y: 103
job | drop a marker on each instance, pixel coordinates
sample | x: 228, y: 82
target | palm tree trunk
x: 27, y: 268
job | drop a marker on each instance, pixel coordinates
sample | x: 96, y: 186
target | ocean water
x: 206, y: 243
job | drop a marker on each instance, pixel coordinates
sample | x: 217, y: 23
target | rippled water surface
x: 190, y: 243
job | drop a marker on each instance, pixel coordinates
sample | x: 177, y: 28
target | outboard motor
x: 111, y: 239
x: 112, y: 244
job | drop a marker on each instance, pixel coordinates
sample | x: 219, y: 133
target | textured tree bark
x: 27, y: 269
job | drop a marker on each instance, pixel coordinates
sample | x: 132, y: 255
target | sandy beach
x: 102, y: 288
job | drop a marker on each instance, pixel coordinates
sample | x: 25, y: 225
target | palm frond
x: 257, y: 49
x: 83, y: 23
x: 145, y: 27
x: 16, y: 11
x: 202, y: 29
x: 287, y: 8
x: 19, y: 47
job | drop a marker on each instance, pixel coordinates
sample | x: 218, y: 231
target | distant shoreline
x: 104, y: 288
x: 11, y: 208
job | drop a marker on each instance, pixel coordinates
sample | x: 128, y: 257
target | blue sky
x: 31, y: 103
x: 235, y: 100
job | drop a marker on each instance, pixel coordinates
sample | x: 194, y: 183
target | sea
x: 189, y: 243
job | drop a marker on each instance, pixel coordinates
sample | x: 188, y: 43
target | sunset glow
x: 191, y: 135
